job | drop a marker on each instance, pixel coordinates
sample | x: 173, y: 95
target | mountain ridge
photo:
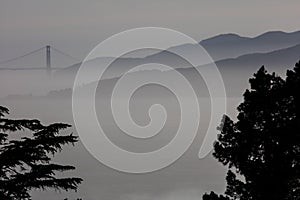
x: 220, y: 47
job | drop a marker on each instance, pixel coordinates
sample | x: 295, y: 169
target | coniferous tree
x: 25, y: 163
x: 263, y: 146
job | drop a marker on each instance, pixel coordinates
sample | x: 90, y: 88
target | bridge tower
x: 48, y: 58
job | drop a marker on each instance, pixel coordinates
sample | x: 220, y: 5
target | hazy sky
x: 76, y: 26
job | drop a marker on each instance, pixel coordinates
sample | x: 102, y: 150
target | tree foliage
x: 263, y: 146
x: 25, y: 163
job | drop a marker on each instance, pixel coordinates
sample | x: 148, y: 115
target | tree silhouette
x: 262, y: 149
x: 25, y: 163
x: 214, y: 196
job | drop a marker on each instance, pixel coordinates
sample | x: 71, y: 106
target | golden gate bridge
x: 47, y: 49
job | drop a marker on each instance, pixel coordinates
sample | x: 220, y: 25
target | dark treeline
x: 26, y: 163
x: 262, y: 147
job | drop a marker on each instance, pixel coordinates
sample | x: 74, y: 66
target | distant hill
x: 237, y: 71
x: 277, y: 59
x: 219, y: 47
x: 233, y: 45
x: 236, y: 57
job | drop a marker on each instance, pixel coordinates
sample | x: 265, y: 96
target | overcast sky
x: 76, y: 26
